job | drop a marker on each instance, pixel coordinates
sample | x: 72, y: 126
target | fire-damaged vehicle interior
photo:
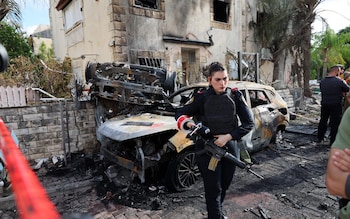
x: 137, y: 131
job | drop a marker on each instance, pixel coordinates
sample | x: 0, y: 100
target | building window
x: 148, y: 8
x: 221, y: 10
x: 72, y: 14
x: 151, y: 62
x: 153, y: 4
x: 192, y: 57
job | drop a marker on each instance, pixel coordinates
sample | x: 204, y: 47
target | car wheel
x: 182, y: 172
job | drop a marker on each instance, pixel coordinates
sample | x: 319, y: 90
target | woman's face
x: 219, y: 81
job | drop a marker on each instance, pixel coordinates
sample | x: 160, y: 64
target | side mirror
x: 4, y: 58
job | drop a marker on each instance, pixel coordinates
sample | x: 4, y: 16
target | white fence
x: 12, y: 96
x: 21, y: 96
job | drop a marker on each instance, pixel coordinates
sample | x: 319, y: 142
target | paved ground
x: 293, y: 187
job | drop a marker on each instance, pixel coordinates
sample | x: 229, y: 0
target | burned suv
x: 135, y: 107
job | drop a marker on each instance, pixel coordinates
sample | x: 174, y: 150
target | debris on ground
x: 293, y: 184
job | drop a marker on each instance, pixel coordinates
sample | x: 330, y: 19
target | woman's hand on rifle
x: 221, y: 140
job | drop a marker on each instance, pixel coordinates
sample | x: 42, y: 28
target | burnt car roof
x: 122, y: 128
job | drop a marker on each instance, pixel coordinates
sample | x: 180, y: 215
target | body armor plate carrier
x: 220, y: 113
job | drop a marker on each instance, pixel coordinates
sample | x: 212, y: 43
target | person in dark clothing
x: 217, y: 108
x: 332, y: 94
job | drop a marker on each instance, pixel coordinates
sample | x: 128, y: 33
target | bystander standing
x: 332, y: 93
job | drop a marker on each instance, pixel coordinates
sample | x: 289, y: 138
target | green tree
x: 345, y: 30
x: 344, y: 47
x: 329, y: 49
x: 316, y: 62
x: 12, y: 39
x: 45, y: 53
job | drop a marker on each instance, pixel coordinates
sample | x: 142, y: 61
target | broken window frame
x: 221, y: 14
x: 149, y: 4
x: 258, y: 97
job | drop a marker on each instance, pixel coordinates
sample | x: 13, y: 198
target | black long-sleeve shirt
x: 332, y: 89
x: 196, y: 109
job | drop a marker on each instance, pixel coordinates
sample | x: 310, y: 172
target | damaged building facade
x: 181, y: 36
x: 138, y: 46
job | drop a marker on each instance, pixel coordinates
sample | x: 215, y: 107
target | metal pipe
x: 67, y: 126
x: 63, y: 135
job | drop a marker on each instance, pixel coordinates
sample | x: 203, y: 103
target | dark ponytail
x: 214, y: 67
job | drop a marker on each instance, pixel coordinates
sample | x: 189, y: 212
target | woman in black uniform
x: 217, y: 108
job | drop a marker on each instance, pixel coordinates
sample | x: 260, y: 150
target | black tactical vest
x: 220, y: 113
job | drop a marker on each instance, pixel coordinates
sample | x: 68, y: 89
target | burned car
x: 135, y: 107
x: 270, y: 111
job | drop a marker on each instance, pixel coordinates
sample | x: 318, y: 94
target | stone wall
x: 43, y: 132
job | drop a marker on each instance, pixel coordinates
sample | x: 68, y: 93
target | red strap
x: 31, y: 198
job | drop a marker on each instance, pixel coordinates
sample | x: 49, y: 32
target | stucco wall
x: 119, y: 31
x: 39, y: 130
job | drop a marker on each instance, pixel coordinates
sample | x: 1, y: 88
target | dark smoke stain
x: 183, y: 11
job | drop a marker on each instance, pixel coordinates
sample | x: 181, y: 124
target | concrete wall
x: 39, y: 130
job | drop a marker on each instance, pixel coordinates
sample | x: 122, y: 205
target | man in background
x: 332, y: 94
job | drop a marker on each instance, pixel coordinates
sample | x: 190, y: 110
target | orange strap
x: 31, y: 198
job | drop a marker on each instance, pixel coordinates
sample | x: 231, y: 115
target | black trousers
x: 216, y: 182
x: 332, y: 112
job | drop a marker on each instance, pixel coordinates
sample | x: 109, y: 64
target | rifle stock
x: 221, y: 152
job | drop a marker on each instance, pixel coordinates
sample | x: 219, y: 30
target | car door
x: 265, y: 119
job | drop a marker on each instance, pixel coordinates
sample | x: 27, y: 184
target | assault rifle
x: 215, y: 151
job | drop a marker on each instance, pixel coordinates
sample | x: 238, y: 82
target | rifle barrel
x: 234, y: 159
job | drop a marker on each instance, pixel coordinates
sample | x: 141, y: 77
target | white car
x: 270, y: 111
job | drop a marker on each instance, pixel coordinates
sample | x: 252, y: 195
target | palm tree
x: 305, y: 16
x: 333, y: 48
x: 328, y: 42
x: 10, y: 9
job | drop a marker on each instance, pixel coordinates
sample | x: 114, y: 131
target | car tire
x: 182, y: 171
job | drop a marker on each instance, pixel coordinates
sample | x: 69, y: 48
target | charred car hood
x: 126, y: 128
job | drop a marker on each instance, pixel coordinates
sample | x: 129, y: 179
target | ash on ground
x: 293, y: 169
